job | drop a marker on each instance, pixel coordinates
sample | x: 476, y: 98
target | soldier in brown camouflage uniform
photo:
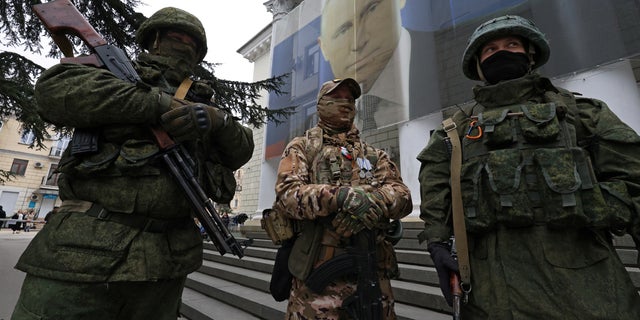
x: 335, y: 185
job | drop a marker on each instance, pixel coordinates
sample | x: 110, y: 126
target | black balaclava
x: 505, y: 65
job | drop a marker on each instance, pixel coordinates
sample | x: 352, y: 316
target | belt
x: 144, y: 223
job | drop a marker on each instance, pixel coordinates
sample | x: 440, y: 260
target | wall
x: 32, y: 182
x: 592, y: 44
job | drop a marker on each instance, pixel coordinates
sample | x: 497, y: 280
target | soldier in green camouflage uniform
x: 123, y: 239
x: 334, y: 185
x: 547, y: 177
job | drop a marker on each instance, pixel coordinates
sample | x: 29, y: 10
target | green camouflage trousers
x: 306, y: 305
x: 43, y: 298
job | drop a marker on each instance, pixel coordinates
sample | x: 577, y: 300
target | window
x: 27, y: 137
x: 312, y: 60
x: 52, y: 177
x: 59, y: 145
x: 19, y: 167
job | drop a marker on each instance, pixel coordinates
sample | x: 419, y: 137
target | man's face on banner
x: 358, y: 37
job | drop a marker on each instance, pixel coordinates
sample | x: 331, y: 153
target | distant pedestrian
x: 17, y: 221
x: 225, y: 220
x: 28, y: 220
x: 3, y: 215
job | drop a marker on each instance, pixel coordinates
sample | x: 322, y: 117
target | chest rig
x: 522, y: 166
x: 340, y: 164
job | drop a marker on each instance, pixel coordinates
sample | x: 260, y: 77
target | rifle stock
x: 62, y: 18
x: 454, y: 284
x: 456, y: 292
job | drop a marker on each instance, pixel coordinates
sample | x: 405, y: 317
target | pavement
x: 11, y: 247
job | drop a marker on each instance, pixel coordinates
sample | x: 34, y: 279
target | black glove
x: 192, y: 121
x: 445, y: 264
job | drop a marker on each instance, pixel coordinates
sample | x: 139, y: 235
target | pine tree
x: 116, y: 21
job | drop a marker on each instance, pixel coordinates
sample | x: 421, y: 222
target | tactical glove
x: 445, y: 264
x: 357, y: 210
x: 192, y: 121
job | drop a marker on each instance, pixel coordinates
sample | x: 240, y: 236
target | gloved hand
x: 192, y: 121
x: 356, y: 210
x: 445, y: 264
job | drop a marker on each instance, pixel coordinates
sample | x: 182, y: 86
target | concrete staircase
x: 230, y: 288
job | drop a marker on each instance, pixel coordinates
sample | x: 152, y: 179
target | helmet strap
x: 156, y: 40
x: 531, y: 51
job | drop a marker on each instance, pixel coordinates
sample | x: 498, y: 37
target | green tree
x: 116, y: 21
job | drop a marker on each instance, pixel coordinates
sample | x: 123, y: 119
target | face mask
x: 172, y: 48
x: 336, y: 114
x: 505, y: 65
x: 173, y: 70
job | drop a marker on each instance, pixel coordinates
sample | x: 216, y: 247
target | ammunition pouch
x: 220, y: 182
x: 278, y: 227
x: 306, y: 249
x: 527, y: 170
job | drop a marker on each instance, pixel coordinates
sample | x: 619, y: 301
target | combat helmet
x: 504, y: 26
x: 173, y: 18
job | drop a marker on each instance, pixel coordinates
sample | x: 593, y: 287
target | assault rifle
x: 62, y: 18
x: 360, y: 259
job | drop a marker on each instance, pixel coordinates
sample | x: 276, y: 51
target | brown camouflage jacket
x: 308, y: 179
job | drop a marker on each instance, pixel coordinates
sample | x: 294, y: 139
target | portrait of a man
x: 365, y: 40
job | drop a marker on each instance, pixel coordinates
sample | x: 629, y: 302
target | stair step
x: 408, y: 312
x: 250, y: 278
x: 197, y: 306
x: 226, y: 287
x: 258, y: 303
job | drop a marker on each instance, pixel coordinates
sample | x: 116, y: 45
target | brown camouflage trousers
x: 306, y: 305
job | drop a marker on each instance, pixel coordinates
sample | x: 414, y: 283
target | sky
x: 229, y: 24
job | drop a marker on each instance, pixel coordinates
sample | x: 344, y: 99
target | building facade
x: 595, y: 51
x: 34, y: 184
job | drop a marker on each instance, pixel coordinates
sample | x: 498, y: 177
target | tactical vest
x: 333, y: 165
x: 522, y: 166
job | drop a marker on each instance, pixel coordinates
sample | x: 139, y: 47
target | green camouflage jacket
x: 125, y: 177
x: 543, y: 185
x: 602, y: 145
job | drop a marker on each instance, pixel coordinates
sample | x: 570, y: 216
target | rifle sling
x: 183, y: 88
x: 459, y: 229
